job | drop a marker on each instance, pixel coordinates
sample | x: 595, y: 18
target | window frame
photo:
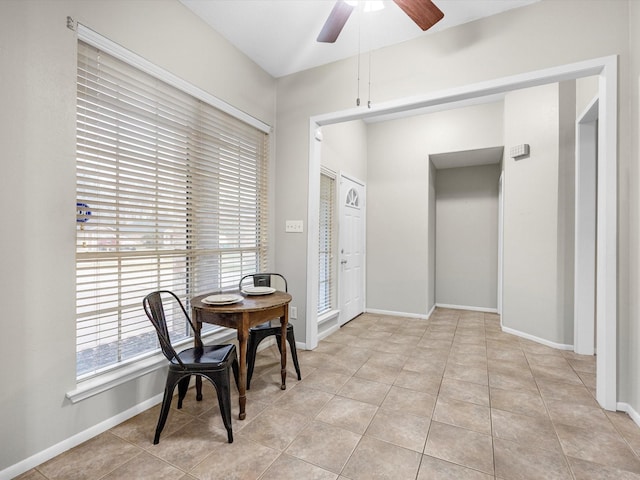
x: 124, y: 370
x: 330, y: 305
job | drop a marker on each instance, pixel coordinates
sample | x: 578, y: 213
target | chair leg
x: 166, y: 404
x: 224, y: 401
x: 252, y: 348
x: 292, y: 346
x: 294, y: 351
x: 183, y: 386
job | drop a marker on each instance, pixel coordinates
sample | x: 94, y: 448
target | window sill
x: 106, y: 381
x: 96, y: 385
x: 327, y: 316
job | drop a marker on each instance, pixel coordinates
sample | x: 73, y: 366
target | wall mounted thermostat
x: 519, y: 151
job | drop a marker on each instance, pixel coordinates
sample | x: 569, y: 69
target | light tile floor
x: 386, y: 398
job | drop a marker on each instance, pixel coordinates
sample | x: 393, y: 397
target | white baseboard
x: 548, y: 343
x: 467, y: 307
x: 75, y: 440
x: 433, y: 309
x: 398, y: 314
x: 327, y: 332
x: 625, y: 407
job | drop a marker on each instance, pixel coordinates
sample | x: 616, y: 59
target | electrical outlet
x: 293, y: 312
x: 294, y: 226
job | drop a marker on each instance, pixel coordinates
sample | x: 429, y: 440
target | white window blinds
x: 326, y: 271
x: 172, y: 194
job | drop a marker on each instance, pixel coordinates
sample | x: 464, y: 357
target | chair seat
x: 268, y: 329
x: 209, y: 356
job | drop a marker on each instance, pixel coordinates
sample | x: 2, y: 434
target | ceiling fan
x: 423, y: 12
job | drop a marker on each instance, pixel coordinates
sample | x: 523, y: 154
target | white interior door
x: 351, y: 248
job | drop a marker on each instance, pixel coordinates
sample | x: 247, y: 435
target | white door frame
x: 500, y: 242
x: 606, y: 257
x: 585, y: 231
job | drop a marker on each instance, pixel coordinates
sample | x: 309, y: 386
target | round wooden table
x: 251, y: 311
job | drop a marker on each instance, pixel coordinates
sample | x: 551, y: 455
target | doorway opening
x: 466, y: 228
x: 606, y: 250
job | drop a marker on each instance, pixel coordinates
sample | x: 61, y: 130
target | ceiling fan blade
x: 335, y: 22
x: 423, y: 12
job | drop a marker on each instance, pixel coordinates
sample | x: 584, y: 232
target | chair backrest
x: 153, y: 305
x: 274, y: 280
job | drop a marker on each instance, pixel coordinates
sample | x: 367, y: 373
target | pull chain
x: 369, y: 93
x: 370, y: 48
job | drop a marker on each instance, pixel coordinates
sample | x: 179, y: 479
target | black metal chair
x: 259, y: 333
x: 210, y: 361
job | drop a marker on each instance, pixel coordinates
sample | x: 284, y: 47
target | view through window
x: 171, y: 194
x: 326, y: 271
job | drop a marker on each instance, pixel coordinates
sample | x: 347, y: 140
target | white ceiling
x: 280, y: 35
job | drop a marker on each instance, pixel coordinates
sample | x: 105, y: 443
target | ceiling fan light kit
x: 424, y: 13
x: 369, y: 5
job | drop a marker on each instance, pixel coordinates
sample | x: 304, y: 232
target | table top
x: 249, y: 303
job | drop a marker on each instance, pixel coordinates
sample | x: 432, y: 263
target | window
x: 326, y: 281
x: 172, y: 194
x: 353, y: 199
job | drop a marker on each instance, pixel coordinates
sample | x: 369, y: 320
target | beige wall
x: 586, y: 91
x: 431, y: 241
x: 628, y: 325
x: 467, y: 236
x: 397, y: 217
x: 566, y: 207
x: 344, y: 149
x: 400, y: 231
x: 534, y: 223
x: 37, y: 190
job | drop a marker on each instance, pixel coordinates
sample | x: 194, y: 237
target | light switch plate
x: 294, y: 226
